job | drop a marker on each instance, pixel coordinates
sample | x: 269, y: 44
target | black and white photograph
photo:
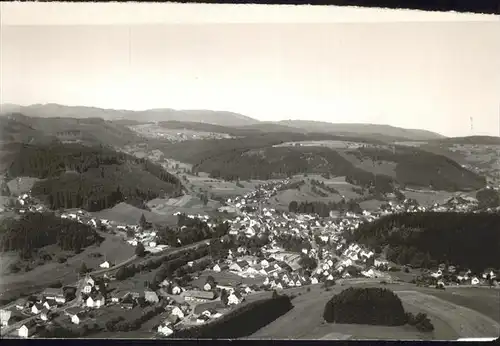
x: 218, y: 171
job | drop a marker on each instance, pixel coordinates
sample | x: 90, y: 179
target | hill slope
x: 385, y: 130
x: 478, y: 140
x: 93, y: 178
x: 256, y: 158
x: 52, y: 110
x: 88, y: 130
x: 426, y: 239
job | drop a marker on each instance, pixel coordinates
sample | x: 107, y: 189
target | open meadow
x: 451, y: 319
x: 128, y: 214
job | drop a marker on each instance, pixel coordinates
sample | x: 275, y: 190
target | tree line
x: 240, y: 322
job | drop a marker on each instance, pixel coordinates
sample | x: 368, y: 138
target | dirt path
x: 464, y: 321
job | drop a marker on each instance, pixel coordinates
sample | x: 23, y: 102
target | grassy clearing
x: 365, y: 332
x: 184, y: 204
x: 135, y: 283
x: 467, y: 323
x: 427, y: 199
x: 128, y: 214
x: 371, y: 205
x: 305, y: 320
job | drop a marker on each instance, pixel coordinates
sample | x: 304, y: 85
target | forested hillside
x: 36, y: 230
x: 92, y: 178
x: 19, y: 127
x: 470, y: 240
x: 254, y: 157
x: 417, y: 167
x: 194, y: 151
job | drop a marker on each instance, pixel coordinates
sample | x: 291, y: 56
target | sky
x: 431, y: 73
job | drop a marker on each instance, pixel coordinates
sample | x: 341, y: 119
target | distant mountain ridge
x: 52, y: 110
x: 221, y: 118
x: 398, y: 132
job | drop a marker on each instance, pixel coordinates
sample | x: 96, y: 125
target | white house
x: 165, y: 330
x: 177, y: 312
x: 151, y: 297
x: 207, y: 287
x: 475, y: 281
x: 216, y: 268
x: 232, y: 299
x: 237, y: 266
x: 314, y: 280
x: 36, y: 309
x: 437, y: 274
x: 264, y: 264
x: 266, y: 281
x: 298, y: 283
x: 23, y: 331
x: 104, y: 265
x: 75, y: 319
x: 176, y: 290
x: 89, y: 302
x: 279, y: 286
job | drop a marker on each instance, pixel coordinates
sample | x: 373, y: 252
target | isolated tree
x: 210, y: 280
x: 140, y: 250
x: 224, y: 297
x: 142, y: 221
x: 293, y: 206
x: 4, y: 189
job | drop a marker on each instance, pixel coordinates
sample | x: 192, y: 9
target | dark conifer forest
x: 35, y: 230
x: 90, y: 177
x: 469, y: 240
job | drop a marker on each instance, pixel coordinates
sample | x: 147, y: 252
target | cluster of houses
x: 174, y: 135
x: 276, y: 269
x: 446, y: 275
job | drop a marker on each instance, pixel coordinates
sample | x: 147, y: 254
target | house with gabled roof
x: 36, y: 308
x: 151, y: 297
x: 238, y: 266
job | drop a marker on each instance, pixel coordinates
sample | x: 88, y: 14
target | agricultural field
x: 305, y: 193
x: 128, y: 214
x: 367, y: 164
x: 451, y: 319
x: 371, y: 204
x: 112, y: 249
x: 184, y: 204
x: 226, y: 278
x: 221, y: 188
x: 428, y: 198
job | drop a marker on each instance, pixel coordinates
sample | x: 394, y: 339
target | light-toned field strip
x: 466, y: 322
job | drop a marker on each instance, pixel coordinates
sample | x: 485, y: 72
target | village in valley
x: 251, y: 252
